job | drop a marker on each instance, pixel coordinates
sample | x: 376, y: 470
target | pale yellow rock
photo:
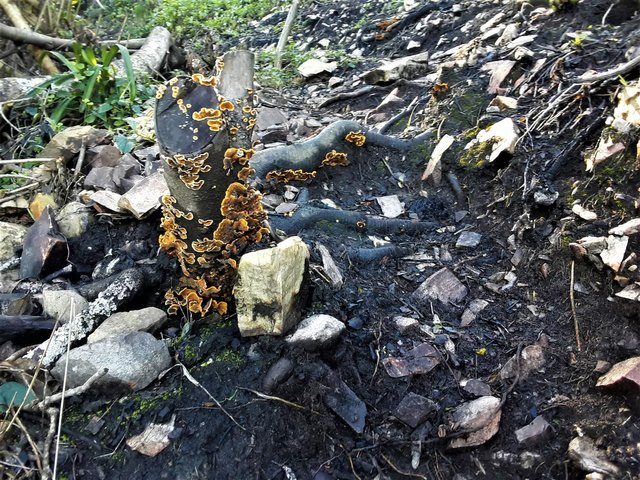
x: 11, y: 236
x: 268, y: 288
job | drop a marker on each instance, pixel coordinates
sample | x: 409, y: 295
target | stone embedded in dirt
x: 148, y: 319
x: 277, y: 373
x: 476, y: 387
x: 421, y: 359
x: 73, y: 219
x: 62, y: 305
x: 335, y: 82
x: 125, y: 173
x: 471, y: 312
x: 391, y: 206
x: 500, y: 70
x: 605, y: 149
x: 481, y: 416
x: 630, y: 292
x: 434, y: 167
x: 95, y: 425
x: 628, y: 109
x: 509, y: 34
x: 154, y: 439
x: 405, y: 67
x: 613, y: 255
x: 592, y: 245
x: 68, y: 142
x: 545, y: 198
x: 103, y: 156
x: 587, y: 457
x: 316, y: 332
x: 147, y: 154
x: 602, y: 366
x: 468, y: 240
x: 44, y: 250
x: 624, y: 374
x: 144, y: 197
x: 100, y: 178
x: 628, y: 228
x: 267, y: 292
x: 414, y: 409
x: 134, y: 361
x: 344, y: 402
x: 15, y: 304
x: 313, y: 67
x: 443, y: 286
x: 268, y: 117
x: 503, y: 103
x: 11, y: 237
x: 583, y: 213
x: 531, y: 358
x: 534, y: 433
x: 406, y: 324
x: 502, y: 135
x: 107, y: 199
x: 329, y: 266
x: 286, y: 207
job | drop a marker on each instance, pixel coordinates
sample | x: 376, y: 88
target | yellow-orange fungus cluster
x: 173, y: 239
x: 226, y: 105
x: 211, y: 81
x: 385, y: 25
x: 335, y: 159
x: 215, y: 125
x: 237, y: 155
x: 195, y: 295
x: 205, y: 113
x: 160, y: 91
x: 189, y: 169
x: 357, y: 138
x: 285, y: 176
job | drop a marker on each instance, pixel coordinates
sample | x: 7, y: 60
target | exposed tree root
x: 374, y: 255
x: 308, y: 155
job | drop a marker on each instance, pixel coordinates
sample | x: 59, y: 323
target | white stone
x: 268, y: 287
x: 583, y: 213
x: 145, y: 320
x: 504, y: 136
x: 613, y: 255
x: 468, y: 240
x: 627, y: 228
x: 434, y: 167
x: 391, y: 206
x: 481, y: 417
x: 316, y: 332
x: 442, y: 285
x: 313, y: 67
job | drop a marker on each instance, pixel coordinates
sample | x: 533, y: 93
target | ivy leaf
x: 13, y: 393
x: 125, y: 144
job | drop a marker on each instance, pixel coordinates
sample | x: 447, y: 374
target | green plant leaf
x: 104, y: 108
x: 128, y: 68
x: 59, y: 111
x: 108, y: 54
x: 88, y: 89
x: 125, y: 144
x: 64, y: 60
x: 13, y: 393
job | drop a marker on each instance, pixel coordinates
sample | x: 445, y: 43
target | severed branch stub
x: 203, y: 127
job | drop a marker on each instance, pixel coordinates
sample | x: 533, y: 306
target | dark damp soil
x: 270, y: 436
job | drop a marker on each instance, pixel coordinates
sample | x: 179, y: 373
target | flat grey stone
x: 442, y: 285
x: 59, y: 304
x: 468, y: 240
x: 414, y: 409
x: 406, y: 324
x: 316, y: 332
x: 587, y: 457
x: 477, y: 388
x: 134, y: 361
x: 145, y: 320
x: 536, y: 432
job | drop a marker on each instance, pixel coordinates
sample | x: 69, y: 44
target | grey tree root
x: 307, y: 216
x: 373, y: 255
x: 308, y: 155
x: 126, y: 285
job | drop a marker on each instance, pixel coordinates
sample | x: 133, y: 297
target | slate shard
x: 45, y: 249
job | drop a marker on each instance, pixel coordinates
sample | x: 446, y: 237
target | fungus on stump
x: 203, y: 128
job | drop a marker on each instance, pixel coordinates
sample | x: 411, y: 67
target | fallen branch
x: 53, y: 43
x: 349, y: 95
x: 23, y: 327
x: 374, y: 255
x: 308, y: 155
x: 284, y: 35
x: 589, y: 78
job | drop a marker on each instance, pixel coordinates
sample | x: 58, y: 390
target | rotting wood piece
x: 203, y: 127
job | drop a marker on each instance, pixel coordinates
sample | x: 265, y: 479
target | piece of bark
x: 123, y: 287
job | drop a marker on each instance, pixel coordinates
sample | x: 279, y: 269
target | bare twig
x: 189, y: 377
x: 284, y: 35
x: 277, y: 399
x: 576, y: 325
x: 397, y: 470
x: 589, y: 78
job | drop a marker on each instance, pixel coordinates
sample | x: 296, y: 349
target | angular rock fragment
x: 414, y: 409
x: 625, y: 373
x: 476, y: 387
x: 406, y: 324
x: 329, y: 266
x: 583, y: 213
x: 73, y: 219
x: 107, y: 199
x: 12, y: 304
x: 613, y: 255
x: 421, y: 359
x: 587, y: 457
x: 134, y: 361
x: 405, y: 67
x: 316, y: 332
x: 628, y: 228
x: 344, y: 402
x: 145, y: 197
x: 534, y: 433
x: 471, y: 312
x: 68, y: 142
x: 11, y: 237
x: 103, y: 156
x: 630, y: 292
x: 503, y: 137
x: 268, y: 289
x: 500, y: 70
x: 434, y: 167
x: 468, y: 240
x: 443, y: 286
x: 531, y: 358
x: 391, y: 206
x: 481, y: 416
x: 45, y: 249
x: 313, y: 67
x: 147, y: 319
x: 100, y: 178
x: 154, y: 439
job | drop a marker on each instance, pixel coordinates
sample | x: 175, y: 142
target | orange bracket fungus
x: 212, y: 214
